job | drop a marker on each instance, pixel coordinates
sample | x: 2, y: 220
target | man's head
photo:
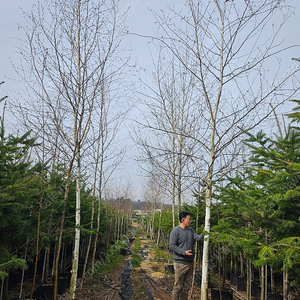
x: 185, y: 218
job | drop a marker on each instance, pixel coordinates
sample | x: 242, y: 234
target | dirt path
x: 149, y: 281
x: 151, y: 275
x: 153, y: 266
x: 124, y: 282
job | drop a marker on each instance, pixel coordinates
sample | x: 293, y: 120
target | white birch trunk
x: 77, y: 230
x: 205, y: 257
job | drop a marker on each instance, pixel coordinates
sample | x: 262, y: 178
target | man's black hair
x: 183, y: 214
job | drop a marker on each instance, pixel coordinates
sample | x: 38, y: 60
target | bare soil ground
x: 149, y: 281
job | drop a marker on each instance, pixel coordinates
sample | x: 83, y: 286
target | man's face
x: 187, y: 221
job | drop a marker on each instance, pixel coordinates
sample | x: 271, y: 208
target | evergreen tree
x: 18, y: 192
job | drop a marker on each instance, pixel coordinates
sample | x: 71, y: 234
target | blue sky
x: 139, y: 20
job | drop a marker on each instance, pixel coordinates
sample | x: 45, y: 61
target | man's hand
x: 189, y: 253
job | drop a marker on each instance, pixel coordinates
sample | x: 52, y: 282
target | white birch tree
x: 167, y: 120
x: 234, y: 56
x: 71, y: 48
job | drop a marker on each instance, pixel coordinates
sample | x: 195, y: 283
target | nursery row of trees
x: 216, y: 68
x: 72, y: 66
x: 33, y: 208
x: 255, y: 215
x: 214, y: 77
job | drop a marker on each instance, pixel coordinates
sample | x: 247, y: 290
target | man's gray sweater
x: 181, y: 240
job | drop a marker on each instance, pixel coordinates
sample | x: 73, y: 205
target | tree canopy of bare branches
x: 232, y: 51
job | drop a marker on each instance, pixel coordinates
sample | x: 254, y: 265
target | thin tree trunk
x: 44, y: 266
x: 174, y: 215
x: 219, y: 259
x: 47, y: 264
x: 262, y: 276
x: 179, y: 176
x: 22, y: 279
x: 272, y: 280
x: 285, y: 285
x: 196, y: 250
x: 224, y: 259
x: 99, y: 161
x: 159, y: 226
x: 248, y: 279
x: 173, y: 206
x: 266, y: 281
x: 266, y: 270
x: 77, y: 144
x: 118, y: 227
x: 96, y: 238
x: 4, y: 290
x: 77, y: 229
x: 38, y: 228
x: 91, y: 227
x: 57, y: 255
x: 153, y: 220
x: 205, y: 255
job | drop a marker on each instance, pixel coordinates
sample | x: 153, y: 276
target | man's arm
x: 173, y: 244
x: 198, y: 237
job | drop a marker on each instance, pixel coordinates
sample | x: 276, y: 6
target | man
x: 182, y: 240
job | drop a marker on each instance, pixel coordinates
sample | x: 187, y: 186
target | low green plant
x: 136, y: 258
x: 136, y: 261
x: 161, y: 254
x: 104, y: 267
